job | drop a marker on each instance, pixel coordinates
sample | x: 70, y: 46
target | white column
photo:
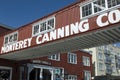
x: 52, y: 74
x: 41, y: 70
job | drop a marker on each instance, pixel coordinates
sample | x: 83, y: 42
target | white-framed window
x: 72, y: 58
x: 43, y: 26
x: 100, y: 56
x: 54, y: 57
x: 86, y: 10
x: 96, y: 6
x: 11, y: 38
x: 86, y: 61
x: 113, y: 69
x: 58, y: 73
x: 72, y: 77
x: 87, y: 75
x: 99, y: 5
x: 112, y: 3
x: 5, y: 73
x: 100, y: 66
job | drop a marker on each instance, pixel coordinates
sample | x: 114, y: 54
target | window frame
x: 46, y: 22
x: 7, y: 68
x: 101, y: 66
x: 51, y: 57
x: 72, y: 77
x: 100, y: 56
x: 85, y: 71
x: 86, y: 63
x: 74, y: 61
x: 97, y: 13
x: 8, y: 36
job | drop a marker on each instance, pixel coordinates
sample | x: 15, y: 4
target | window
x: 97, y: 6
x: 44, y: 26
x: 11, y: 38
x: 55, y: 57
x: 5, y: 73
x: 86, y: 10
x: 86, y: 61
x: 72, y: 77
x: 36, y: 29
x: 112, y: 3
x: 100, y: 56
x: 58, y: 73
x: 72, y: 58
x: 100, y: 66
x: 112, y: 59
x: 113, y: 69
x: 87, y: 75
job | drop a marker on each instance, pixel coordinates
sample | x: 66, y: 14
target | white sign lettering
x: 113, y: 17
x: 63, y: 32
x: 68, y: 30
x: 16, y: 46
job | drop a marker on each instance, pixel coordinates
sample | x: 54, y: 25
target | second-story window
x: 97, y: 6
x: 72, y: 58
x: 112, y: 3
x: 100, y: 56
x: 86, y: 61
x: 11, y: 38
x: 100, y: 66
x: 43, y: 26
x: 54, y: 57
x: 86, y: 10
x: 36, y: 29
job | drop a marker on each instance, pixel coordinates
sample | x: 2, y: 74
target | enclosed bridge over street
x: 76, y: 26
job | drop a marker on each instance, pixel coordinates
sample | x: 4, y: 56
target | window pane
x: 100, y: 55
x: 112, y: 3
x: 87, y: 75
x: 15, y: 36
x: 100, y: 66
x: 99, y: 5
x: 86, y: 10
x: 6, y: 40
x: 54, y: 57
x: 72, y: 58
x: 11, y: 38
x: 43, y: 27
x: 50, y: 24
x: 86, y: 61
x: 36, y: 29
x: 72, y: 77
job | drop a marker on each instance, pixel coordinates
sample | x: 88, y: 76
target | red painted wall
x: 63, y: 17
x: 3, y: 30
x: 75, y: 69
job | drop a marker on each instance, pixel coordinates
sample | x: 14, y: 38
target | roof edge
x: 6, y: 26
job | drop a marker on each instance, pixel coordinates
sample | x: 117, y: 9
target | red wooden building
x: 84, y: 24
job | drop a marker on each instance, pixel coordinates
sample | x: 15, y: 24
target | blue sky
x: 16, y: 13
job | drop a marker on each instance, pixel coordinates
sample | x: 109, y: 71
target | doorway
x: 40, y: 74
x: 46, y: 74
x: 34, y: 74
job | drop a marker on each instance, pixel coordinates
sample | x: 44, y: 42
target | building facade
x: 106, y: 60
x: 66, y: 66
x: 75, y: 65
x: 83, y: 24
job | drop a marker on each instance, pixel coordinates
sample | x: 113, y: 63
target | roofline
x: 6, y: 26
x: 57, y: 11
